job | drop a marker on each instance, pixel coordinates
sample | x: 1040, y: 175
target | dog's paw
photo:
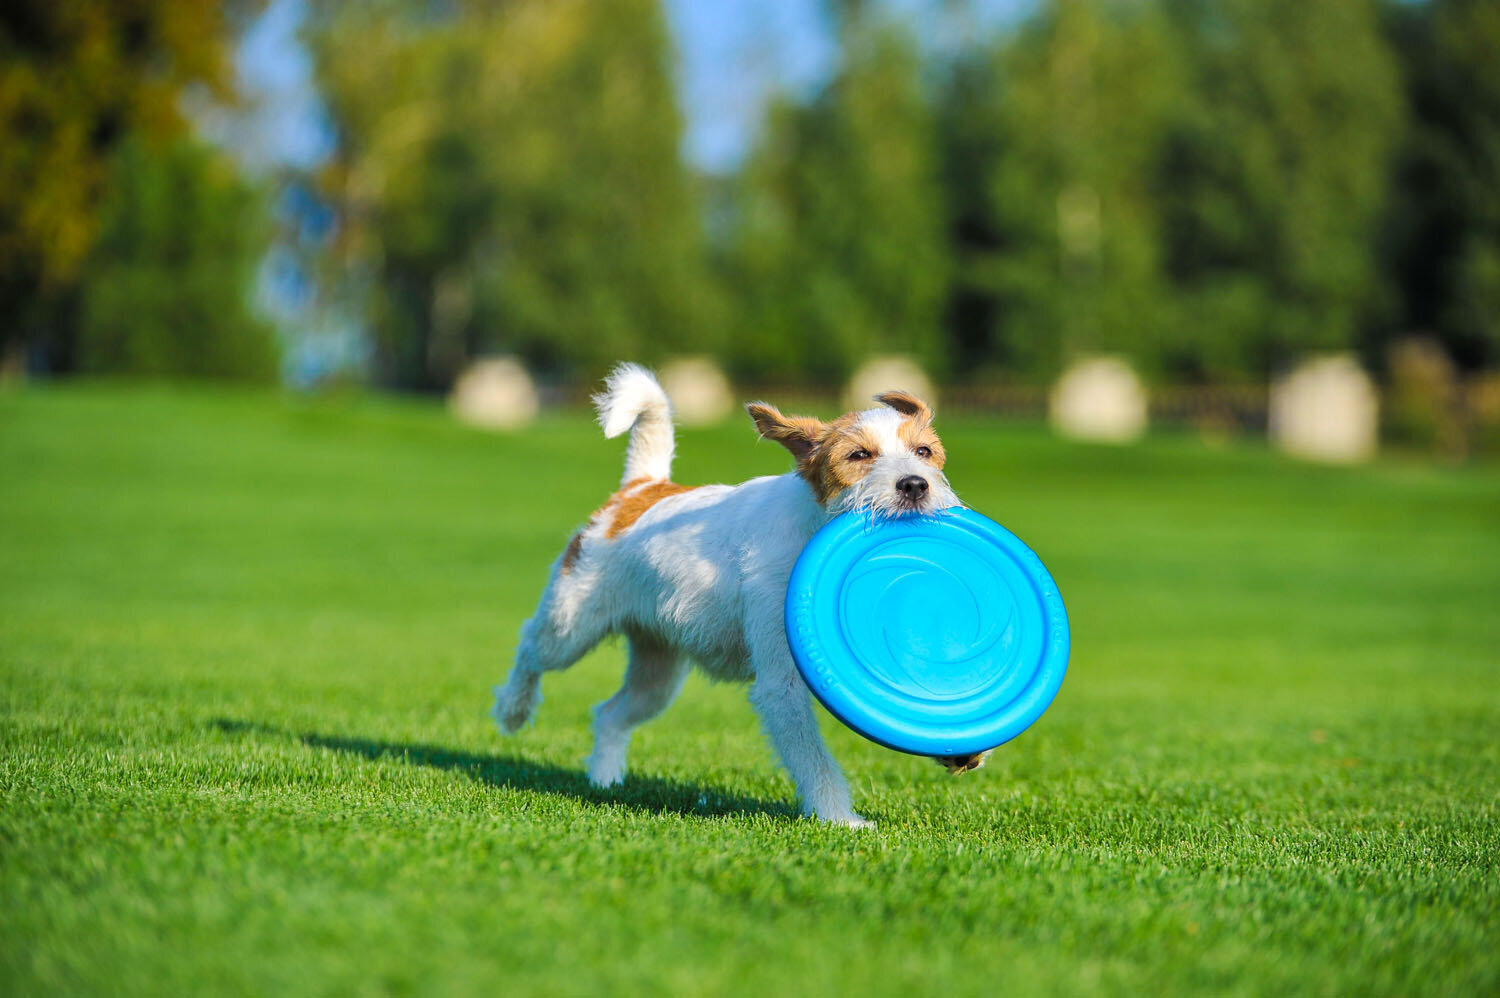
x: 514, y: 706
x: 606, y: 767
x: 956, y: 764
x: 603, y: 777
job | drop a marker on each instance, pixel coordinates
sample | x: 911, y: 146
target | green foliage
x: 1209, y: 187
x: 167, y: 288
x: 1197, y: 185
x: 75, y: 79
x: 1193, y: 185
x: 243, y: 749
x: 839, y: 248
x: 511, y: 173
x: 1273, y: 179
x: 1443, y: 225
x: 1081, y: 99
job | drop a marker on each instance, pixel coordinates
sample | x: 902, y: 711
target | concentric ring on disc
x: 934, y: 635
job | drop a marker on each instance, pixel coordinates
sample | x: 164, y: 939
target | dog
x: 699, y: 573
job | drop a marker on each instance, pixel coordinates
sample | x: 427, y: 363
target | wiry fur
x: 700, y: 575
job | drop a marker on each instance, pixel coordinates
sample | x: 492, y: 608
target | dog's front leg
x: 785, y: 706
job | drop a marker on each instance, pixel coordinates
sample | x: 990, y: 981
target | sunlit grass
x: 246, y: 646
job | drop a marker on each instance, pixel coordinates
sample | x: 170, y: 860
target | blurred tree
x: 166, y: 289
x: 510, y: 179
x: 1051, y: 144
x: 1443, y: 228
x: 1195, y: 184
x: 973, y: 138
x: 839, y: 247
x: 1271, y: 181
x: 75, y: 78
x: 1086, y: 93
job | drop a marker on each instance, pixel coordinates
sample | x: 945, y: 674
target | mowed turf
x: 246, y: 646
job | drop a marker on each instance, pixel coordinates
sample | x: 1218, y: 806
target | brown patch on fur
x: 574, y: 549
x: 615, y: 498
x: 632, y: 505
x: 821, y: 449
x: 917, y: 432
x: 828, y: 468
x: 957, y: 764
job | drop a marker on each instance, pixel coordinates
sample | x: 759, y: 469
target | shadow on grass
x: 651, y: 794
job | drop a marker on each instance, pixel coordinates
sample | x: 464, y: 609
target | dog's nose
x: 913, y: 487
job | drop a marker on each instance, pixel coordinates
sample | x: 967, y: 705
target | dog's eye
x: 860, y: 455
x: 924, y: 452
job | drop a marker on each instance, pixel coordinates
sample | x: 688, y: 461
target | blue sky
x: 732, y: 54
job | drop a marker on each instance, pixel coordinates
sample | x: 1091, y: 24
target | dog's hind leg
x: 652, y: 680
x: 550, y: 640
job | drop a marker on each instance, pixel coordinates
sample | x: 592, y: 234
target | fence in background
x: 1468, y: 422
x: 1229, y: 407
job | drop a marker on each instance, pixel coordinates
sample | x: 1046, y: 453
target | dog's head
x: 887, y: 460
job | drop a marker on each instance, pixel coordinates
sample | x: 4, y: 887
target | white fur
x: 632, y: 400
x: 700, y: 577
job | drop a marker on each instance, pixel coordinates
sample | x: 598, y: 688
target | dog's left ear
x: 798, y: 434
x: 907, y: 404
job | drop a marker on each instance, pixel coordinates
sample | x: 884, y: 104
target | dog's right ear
x: 798, y: 434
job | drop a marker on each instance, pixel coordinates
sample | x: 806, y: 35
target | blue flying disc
x: 934, y: 635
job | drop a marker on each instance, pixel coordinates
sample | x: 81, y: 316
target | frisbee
x: 936, y: 635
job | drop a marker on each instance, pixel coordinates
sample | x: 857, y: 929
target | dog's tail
x: 632, y: 400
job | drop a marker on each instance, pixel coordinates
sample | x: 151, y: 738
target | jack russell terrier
x: 699, y: 573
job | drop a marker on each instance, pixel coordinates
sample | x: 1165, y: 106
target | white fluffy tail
x: 632, y: 400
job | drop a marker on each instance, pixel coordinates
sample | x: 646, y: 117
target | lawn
x: 246, y: 646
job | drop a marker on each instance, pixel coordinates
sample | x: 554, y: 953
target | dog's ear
x: 798, y: 434
x: 907, y: 404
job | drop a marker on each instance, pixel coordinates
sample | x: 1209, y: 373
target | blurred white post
x: 699, y: 391
x: 886, y: 374
x: 494, y: 393
x: 1326, y: 410
x: 1100, y: 399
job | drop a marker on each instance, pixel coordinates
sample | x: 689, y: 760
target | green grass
x: 246, y: 648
